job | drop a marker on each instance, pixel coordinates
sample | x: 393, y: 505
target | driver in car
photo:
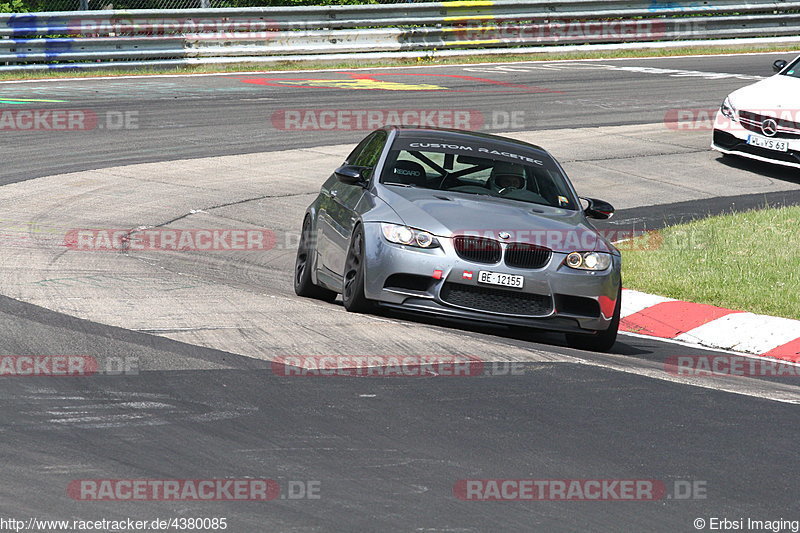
x: 510, y: 181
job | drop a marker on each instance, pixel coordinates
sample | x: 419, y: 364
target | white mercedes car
x: 762, y: 121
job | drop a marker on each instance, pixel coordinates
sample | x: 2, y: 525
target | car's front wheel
x: 602, y: 341
x: 353, y: 296
x: 303, y: 286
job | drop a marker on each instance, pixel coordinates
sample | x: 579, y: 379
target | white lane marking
x: 674, y: 73
x: 745, y: 332
x: 744, y: 386
x: 635, y: 301
x: 687, y: 344
x: 413, y: 67
x: 696, y: 346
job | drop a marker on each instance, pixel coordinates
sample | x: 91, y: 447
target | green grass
x: 747, y: 261
x: 422, y: 60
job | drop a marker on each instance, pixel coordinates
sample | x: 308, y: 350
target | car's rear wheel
x: 354, y: 272
x: 602, y: 341
x: 303, y: 286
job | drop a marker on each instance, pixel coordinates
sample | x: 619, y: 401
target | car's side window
x: 371, y: 152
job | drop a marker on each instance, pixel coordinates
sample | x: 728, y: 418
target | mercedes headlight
x: 588, y: 260
x: 408, y: 236
x: 727, y: 109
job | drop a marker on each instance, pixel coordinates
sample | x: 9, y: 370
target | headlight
x: 588, y: 260
x: 727, y: 109
x: 408, y: 236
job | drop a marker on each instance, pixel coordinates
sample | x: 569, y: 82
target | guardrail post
x: 205, y: 4
x: 84, y: 5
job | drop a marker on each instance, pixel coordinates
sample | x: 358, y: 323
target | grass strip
x: 747, y: 261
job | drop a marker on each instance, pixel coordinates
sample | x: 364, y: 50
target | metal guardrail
x: 98, y: 39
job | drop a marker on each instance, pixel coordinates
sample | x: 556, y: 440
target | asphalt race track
x: 222, y: 115
x: 202, y: 400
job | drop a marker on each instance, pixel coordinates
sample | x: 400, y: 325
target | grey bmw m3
x: 464, y: 225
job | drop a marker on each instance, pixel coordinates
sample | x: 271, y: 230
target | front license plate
x: 498, y: 278
x: 770, y: 144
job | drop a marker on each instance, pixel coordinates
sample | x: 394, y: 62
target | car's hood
x: 772, y: 94
x: 447, y: 214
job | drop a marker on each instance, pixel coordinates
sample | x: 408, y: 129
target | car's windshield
x: 793, y: 70
x: 525, y: 178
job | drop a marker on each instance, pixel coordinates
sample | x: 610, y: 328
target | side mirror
x: 598, y: 209
x: 779, y: 65
x: 351, y: 175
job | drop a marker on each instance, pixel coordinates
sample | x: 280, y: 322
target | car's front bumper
x: 554, y: 297
x: 730, y: 137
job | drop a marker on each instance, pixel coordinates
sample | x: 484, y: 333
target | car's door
x: 338, y: 210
